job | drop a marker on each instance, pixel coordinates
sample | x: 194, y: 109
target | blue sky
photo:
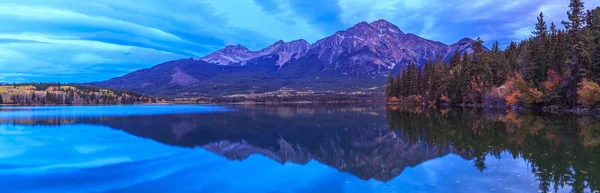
x: 93, y: 40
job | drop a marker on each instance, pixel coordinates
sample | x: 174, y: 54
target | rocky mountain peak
x: 235, y: 48
x: 386, y: 26
x: 286, y: 51
x: 233, y: 54
x: 465, y: 40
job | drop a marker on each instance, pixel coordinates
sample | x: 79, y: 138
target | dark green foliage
x: 576, y: 48
x: 540, y: 58
x: 594, y: 41
x: 390, y: 87
x: 567, y: 55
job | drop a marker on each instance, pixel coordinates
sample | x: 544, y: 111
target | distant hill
x: 352, y: 60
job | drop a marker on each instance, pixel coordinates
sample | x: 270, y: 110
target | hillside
x: 352, y: 60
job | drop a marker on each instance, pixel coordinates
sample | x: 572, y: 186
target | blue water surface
x: 92, y: 157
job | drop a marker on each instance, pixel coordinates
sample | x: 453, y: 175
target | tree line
x: 67, y: 94
x: 554, y: 67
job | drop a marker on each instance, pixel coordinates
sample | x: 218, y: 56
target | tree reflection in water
x: 560, y: 150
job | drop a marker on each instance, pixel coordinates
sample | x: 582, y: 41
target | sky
x: 74, y: 41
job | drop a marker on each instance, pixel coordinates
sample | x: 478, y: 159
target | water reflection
x: 560, y: 150
x: 373, y: 142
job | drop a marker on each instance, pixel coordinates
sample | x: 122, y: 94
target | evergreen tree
x: 455, y: 60
x: 512, y: 55
x: 480, y: 62
x: 576, y: 45
x: 594, y: 33
x: 496, y: 47
x: 419, y: 81
x: 390, y: 87
x: 541, y: 30
x: 539, y: 53
x: 399, y: 85
x: 466, y: 61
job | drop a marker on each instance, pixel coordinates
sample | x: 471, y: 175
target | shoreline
x: 545, y: 109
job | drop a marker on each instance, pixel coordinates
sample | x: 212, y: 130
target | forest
x: 558, y: 68
x: 67, y: 94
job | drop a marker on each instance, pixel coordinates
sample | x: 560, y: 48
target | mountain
x: 351, y: 60
x: 239, y: 55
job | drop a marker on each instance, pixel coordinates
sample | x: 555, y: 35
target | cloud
x: 81, y: 41
x: 450, y: 20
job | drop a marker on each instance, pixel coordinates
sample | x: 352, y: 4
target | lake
x: 294, y: 149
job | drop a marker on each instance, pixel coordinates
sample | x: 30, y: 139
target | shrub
x: 498, y: 95
x: 551, y: 87
x: 513, y: 98
x: 413, y: 101
x: 527, y: 95
x: 589, y: 93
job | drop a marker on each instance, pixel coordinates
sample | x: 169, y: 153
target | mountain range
x: 355, y: 59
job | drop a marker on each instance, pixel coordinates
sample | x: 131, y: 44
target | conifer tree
x: 390, y: 87
x: 594, y: 33
x: 455, y: 60
x: 539, y: 51
x: 512, y: 55
x: 399, y: 85
x: 576, y: 47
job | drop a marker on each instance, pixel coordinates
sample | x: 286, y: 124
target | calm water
x: 294, y: 148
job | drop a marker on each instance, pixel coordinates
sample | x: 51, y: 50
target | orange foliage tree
x: 550, y: 88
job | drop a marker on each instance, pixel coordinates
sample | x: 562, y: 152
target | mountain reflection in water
x: 373, y: 142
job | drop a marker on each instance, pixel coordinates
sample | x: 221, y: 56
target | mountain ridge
x: 355, y: 59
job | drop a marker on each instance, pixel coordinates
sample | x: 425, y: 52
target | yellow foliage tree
x: 589, y: 93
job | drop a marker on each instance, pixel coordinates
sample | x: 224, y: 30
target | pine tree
x: 466, y: 61
x: 412, y: 81
x: 539, y: 53
x: 451, y: 81
x: 541, y: 30
x: 594, y: 33
x: 390, y: 87
x: 399, y: 85
x: 455, y: 60
x: 512, y: 55
x: 496, y: 47
x: 498, y: 64
x: 419, y: 90
x: 427, y: 75
x: 576, y: 47
x: 405, y: 82
x: 480, y: 61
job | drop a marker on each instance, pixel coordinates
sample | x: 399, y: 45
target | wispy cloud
x: 81, y: 41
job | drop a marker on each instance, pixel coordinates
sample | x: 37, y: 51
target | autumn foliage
x: 548, y: 69
x: 589, y: 93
